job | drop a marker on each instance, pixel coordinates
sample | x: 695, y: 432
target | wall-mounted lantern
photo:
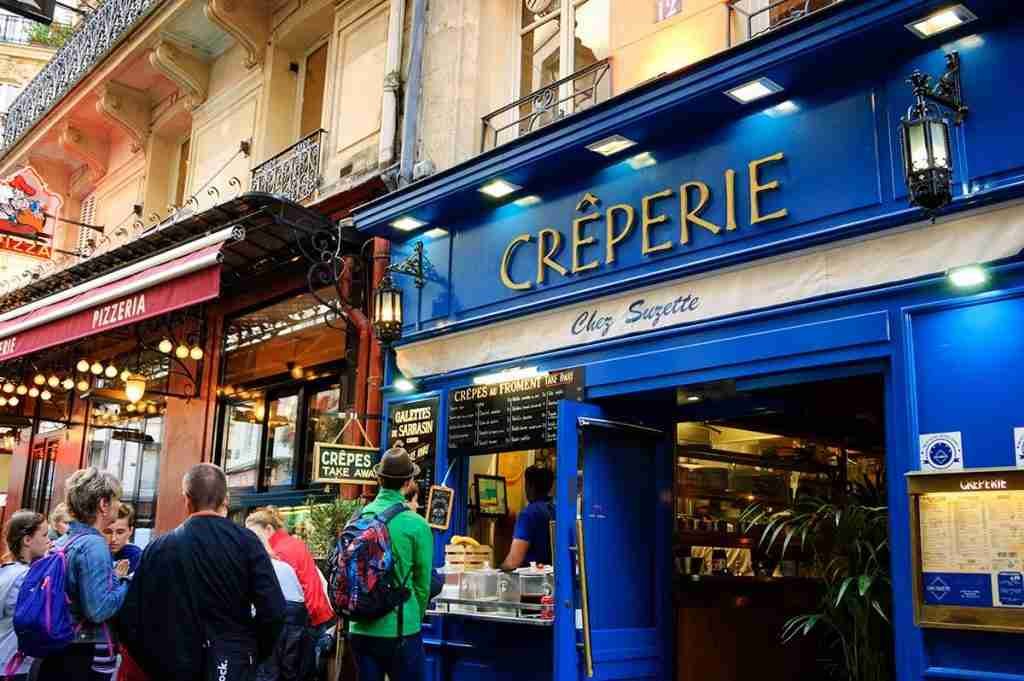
x: 387, y: 299
x: 925, y: 136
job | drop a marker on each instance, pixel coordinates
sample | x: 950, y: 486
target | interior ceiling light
x: 527, y: 201
x: 499, y: 188
x: 941, y: 21
x: 407, y: 224
x: 968, y: 276
x: 611, y: 145
x: 435, y: 233
x: 754, y: 90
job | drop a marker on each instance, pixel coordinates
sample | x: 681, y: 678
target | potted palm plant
x: 848, y: 542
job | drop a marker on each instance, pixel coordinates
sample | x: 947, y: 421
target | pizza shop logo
x: 8, y: 345
x: 942, y: 452
x: 27, y: 212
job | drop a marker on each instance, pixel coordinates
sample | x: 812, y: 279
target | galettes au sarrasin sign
x: 609, y: 227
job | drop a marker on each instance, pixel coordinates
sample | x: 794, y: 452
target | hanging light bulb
x: 135, y: 387
x: 181, y: 352
x: 68, y: 384
x: 96, y: 368
x: 110, y: 371
x: 13, y: 401
x: 130, y: 408
x: 45, y: 395
x: 39, y: 379
x: 22, y: 389
x: 125, y: 374
x: 150, y: 408
x: 8, y: 388
x: 166, y: 346
x: 82, y: 386
x: 3, y: 401
x: 33, y: 392
x: 82, y: 366
x: 196, y: 353
x: 53, y: 381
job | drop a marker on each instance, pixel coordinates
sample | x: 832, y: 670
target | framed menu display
x: 439, y: 507
x: 967, y: 539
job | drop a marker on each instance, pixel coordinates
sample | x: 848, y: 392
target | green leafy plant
x: 326, y: 521
x: 849, y: 545
x: 54, y: 35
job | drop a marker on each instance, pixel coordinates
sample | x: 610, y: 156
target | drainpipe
x: 413, y: 85
x: 392, y: 84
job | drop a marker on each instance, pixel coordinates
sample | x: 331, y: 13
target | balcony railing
x: 94, y: 38
x: 15, y: 29
x: 294, y: 173
x: 761, y: 16
x: 555, y: 101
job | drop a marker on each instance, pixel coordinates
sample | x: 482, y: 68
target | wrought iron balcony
x: 294, y: 173
x: 94, y: 38
x: 555, y: 101
x: 758, y: 17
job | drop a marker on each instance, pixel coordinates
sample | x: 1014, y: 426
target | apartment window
x: 557, y: 39
x: 314, y: 82
x: 182, y: 176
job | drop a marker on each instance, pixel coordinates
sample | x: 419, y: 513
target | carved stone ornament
x: 91, y: 151
x: 190, y: 73
x: 246, y: 21
x: 128, y: 108
x: 539, y: 6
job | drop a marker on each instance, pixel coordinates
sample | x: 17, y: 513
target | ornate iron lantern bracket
x: 414, y: 266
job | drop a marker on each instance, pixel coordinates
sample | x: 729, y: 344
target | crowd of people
x: 210, y: 600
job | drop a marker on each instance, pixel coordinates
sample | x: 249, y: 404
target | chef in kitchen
x: 531, y: 540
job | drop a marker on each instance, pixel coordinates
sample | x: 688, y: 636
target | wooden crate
x: 468, y: 557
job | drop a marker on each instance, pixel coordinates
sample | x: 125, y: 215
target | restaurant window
x: 552, y: 48
x: 129, y: 447
x: 285, y: 386
x: 39, y: 481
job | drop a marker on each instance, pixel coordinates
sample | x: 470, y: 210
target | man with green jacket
x: 378, y: 649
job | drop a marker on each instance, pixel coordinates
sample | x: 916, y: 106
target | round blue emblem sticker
x: 941, y: 451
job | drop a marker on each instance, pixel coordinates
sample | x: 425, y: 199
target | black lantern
x: 387, y: 299
x: 387, y: 311
x: 925, y: 137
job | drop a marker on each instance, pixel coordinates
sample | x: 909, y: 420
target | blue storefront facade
x: 732, y: 241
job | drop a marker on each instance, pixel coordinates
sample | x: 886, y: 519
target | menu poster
x: 514, y: 415
x: 439, y: 507
x: 413, y: 427
x: 972, y: 548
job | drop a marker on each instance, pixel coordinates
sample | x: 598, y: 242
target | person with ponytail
x: 27, y: 541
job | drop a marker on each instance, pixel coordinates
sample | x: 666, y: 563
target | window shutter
x: 87, y: 216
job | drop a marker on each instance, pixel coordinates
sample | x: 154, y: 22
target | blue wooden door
x: 614, y: 482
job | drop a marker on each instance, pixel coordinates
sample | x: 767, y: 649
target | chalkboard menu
x: 413, y: 427
x: 515, y: 415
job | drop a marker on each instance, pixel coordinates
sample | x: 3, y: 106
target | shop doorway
x: 695, y: 560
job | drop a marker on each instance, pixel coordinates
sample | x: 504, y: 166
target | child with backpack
x: 63, y: 632
x: 380, y: 577
x: 27, y: 541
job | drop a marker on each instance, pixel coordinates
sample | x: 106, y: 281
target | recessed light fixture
x: 408, y: 223
x: 941, y: 21
x: 527, y: 201
x: 693, y: 398
x: 644, y: 160
x: 611, y: 145
x: 435, y: 233
x: 968, y: 276
x: 404, y: 385
x: 754, y: 90
x: 499, y: 188
x: 513, y: 374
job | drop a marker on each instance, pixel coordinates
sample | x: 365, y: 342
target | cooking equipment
x: 535, y: 582
x: 481, y: 586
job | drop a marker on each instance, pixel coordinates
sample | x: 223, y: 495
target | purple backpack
x: 42, y: 618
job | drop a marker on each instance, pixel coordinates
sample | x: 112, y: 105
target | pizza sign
x: 27, y: 208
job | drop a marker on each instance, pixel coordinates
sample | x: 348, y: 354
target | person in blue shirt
x: 119, y: 535
x: 531, y: 540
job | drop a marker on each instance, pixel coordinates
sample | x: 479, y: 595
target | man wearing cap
x: 378, y: 650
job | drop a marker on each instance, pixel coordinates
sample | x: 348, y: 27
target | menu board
x: 972, y: 548
x: 413, y: 427
x: 514, y: 415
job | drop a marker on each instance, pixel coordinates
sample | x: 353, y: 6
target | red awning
x: 188, y: 280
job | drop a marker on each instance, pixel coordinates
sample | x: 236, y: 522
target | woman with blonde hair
x: 27, y: 541
x: 59, y: 519
x: 95, y: 593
